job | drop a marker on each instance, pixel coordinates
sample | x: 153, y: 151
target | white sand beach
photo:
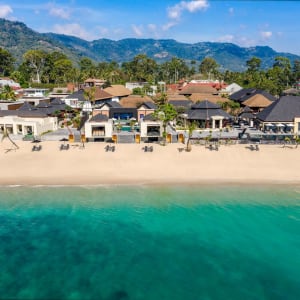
x: 129, y: 164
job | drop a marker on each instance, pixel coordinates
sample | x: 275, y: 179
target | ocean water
x: 187, y: 243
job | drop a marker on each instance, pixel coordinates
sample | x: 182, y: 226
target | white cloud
x: 174, y: 12
x: 5, y: 10
x: 138, y: 30
x: 266, y: 35
x: 169, y: 25
x: 59, y: 12
x: 227, y: 38
x: 73, y: 29
x: 152, y: 27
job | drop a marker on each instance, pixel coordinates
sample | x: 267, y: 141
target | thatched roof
x: 205, y: 96
x: 258, y: 100
x: 118, y: 90
x: 134, y: 101
x: 192, y: 88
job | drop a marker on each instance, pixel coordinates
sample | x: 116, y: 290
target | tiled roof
x: 99, y: 118
x: 284, y: 109
x: 244, y: 94
x: 204, y: 110
x: 23, y: 113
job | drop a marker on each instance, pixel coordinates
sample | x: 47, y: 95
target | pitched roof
x: 26, y: 106
x: 244, y: 94
x: 23, y: 113
x: 284, y: 109
x: 205, y: 105
x: 134, y: 101
x: 148, y: 104
x: 181, y: 103
x: 192, y: 88
x: 100, y: 94
x: 205, y: 110
x: 172, y: 97
x: 257, y: 100
x: 205, y: 96
x: 99, y: 118
x: 118, y: 90
x: 111, y: 104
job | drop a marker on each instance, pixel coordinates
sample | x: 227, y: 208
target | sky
x: 244, y: 23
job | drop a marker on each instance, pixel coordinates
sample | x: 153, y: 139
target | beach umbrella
x: 279, y: 125
x: 36, y: 141
x: 64, y: 140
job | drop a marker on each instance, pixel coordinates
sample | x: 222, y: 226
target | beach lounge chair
x: 106, y: 148
x: 150, y: 149
x: 33, y: 148
x: 61, y: 147
x: 113, y: 148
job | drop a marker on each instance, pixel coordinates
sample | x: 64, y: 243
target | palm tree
x: 6, y: 135
x: 8, y: 93
x: 191, y: 127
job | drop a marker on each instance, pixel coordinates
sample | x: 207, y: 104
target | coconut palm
x: 6, y: 135
x: 7, y: 93
x: 191, y: 127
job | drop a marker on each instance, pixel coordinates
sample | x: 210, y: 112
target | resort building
x: 243, y: 95
x: 105, y: 108
x: 150, y: 130
x: 11, y: 83
x: 282, y: 116
x: 145, y: 109
x: 208, y: 115
x: 26, y: 122
x: 98, y: 128
x: 117, y: 92
x: 77, y: 99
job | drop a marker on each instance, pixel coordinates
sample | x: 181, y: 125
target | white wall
x: 108, y: 129
x: 38, y: 125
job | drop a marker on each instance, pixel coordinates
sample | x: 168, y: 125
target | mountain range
x: 17, y: 38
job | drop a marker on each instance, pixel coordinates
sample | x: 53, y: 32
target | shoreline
x: 129, y: 165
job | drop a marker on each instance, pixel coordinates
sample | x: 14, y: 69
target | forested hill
x: 17, y: 38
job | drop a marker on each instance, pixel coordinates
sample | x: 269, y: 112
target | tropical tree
x: 8, y: 93
x: 208, y: 67
x: 191, y: 126
x: 165, y: 113
x: 89, y: 94
x: 35, y: 60
x: 6, y: 62
x: 6, y: 135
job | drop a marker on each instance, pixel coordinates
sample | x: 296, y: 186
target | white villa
x: 98, y: 128
x: 22, y: 123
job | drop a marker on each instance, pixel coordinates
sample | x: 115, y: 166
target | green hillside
x: 17, y: 38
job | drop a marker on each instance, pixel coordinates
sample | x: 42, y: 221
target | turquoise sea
x: 119, y: 242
